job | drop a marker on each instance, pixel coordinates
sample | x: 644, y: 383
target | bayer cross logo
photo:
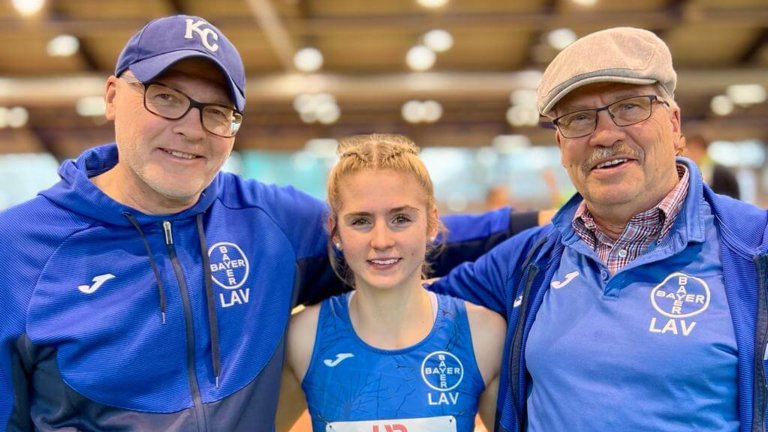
x: 680, y: 296
x: 442, y: 371
x: 229, y: 266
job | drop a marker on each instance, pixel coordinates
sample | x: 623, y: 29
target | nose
x: 381, y: 237
x: 191, y: 124
x: 605, y: 130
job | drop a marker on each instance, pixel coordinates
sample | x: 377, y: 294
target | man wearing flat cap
x: 147, y: 290
x: 644, y: 306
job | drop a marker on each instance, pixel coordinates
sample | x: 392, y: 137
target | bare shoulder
x: 307, y: 316
x: 488, y: 330
x: 483, y: 320
x: 301, y: 339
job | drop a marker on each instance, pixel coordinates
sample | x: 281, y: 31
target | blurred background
x: 457, y: 76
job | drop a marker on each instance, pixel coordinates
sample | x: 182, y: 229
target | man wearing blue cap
x: 644, y: 306
x: 148, y: 291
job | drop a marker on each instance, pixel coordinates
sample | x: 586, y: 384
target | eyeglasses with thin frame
x: 172, y: 104
x: 625, y: 112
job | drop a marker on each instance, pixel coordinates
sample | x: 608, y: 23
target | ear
x: 434, y: 223
x: 678, y: 139
x: 682, y: 147
x: 110, y: 95
x: 333, y: 234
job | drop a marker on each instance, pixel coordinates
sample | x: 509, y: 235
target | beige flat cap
x: 622, y: 55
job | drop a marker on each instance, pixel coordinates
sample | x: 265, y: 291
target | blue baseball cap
x: 165, y: 41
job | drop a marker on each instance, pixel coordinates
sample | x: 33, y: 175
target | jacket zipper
x: 758, y: 409
x: 200, y: 414
x: 516, y: 358
x: 524, y: 322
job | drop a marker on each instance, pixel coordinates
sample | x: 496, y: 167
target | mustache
x: 604, y: 153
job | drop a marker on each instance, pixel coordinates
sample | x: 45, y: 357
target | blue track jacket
x: 513, y: 278
x: 117, y: 320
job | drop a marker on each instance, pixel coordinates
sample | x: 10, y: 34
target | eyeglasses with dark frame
x: 172, y: 104
x: 625, y: 112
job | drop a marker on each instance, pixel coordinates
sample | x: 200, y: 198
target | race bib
x: 428, y: 424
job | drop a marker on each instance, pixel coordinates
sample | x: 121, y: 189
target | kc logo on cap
x: 204, y: 33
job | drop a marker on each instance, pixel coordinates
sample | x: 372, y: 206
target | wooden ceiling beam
x: 659, y: 19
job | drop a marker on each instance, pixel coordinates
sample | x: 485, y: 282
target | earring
x: 338, y: 245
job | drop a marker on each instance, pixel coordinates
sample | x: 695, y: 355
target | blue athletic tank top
x: 433, y: 386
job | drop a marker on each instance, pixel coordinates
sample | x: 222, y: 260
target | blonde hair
x: 377, y: 152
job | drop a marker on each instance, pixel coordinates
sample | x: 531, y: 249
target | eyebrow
x: 577, y: 107
x: 391, y: 211
x: 227, y: 103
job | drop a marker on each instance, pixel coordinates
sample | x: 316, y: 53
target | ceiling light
x: 587, y: 3
x: 308, y: 59
x: 412, y: 111
x: 746, y: 94
x: 328, y: 113
x: 28, y: 7
x: 721, y: 105
x: 432, y: 111
x: 17, y: 117
x: 319, y: 107
x: 432, y: 4
x: 438, y: 40
x: 561, y: 38
x: 91, y: 106
x: 519, y: 115
x: 523, y: 97
x: 302, y: 101
x: 308, y: 116
x: 63, y: 46
x: 415, y: 111
x: 420, y: 58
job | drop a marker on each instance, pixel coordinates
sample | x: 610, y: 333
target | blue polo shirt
x: 586, y: 371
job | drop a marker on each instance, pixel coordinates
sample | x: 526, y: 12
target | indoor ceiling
x: 499, y: 45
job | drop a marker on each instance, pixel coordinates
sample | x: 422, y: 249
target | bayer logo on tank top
x: 442, y: 372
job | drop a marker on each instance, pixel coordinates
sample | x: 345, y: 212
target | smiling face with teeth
x: 164, y: 164
x: 383, y: 228
x: 621, y: 171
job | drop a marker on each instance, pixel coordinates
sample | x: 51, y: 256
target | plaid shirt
x: 641, y: 231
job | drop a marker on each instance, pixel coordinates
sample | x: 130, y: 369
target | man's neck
x: 612, y: 229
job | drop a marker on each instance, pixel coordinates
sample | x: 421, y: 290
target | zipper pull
x: 168, y: 234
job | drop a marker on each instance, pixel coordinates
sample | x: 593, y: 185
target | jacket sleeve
x: 303, y: 219
x: 20, y: 419
x: 491, y: 281
x: 23, y: 257
x: 15, y: 386
x: 470, y: 236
